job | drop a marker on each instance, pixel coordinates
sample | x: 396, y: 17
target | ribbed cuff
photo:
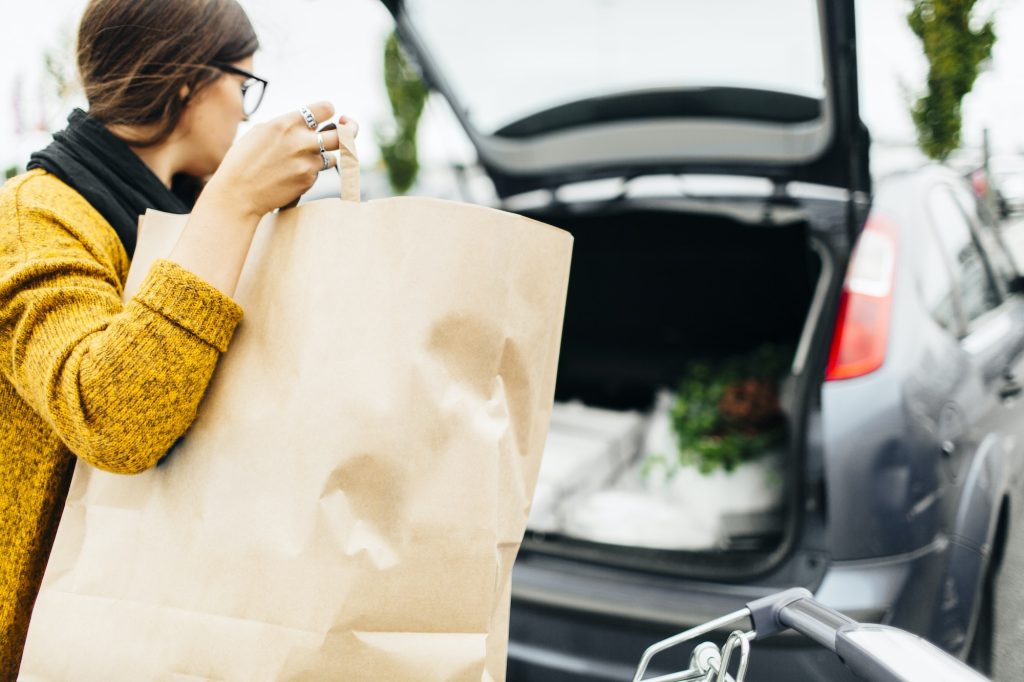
x: 190, y: 302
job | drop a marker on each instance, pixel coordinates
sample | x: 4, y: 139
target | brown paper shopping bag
x: 350, y: 500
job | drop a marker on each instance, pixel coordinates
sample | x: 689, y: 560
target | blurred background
x: 334, y: 49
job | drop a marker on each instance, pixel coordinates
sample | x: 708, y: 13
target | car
x: 1008, y: 177
x: 715, y: 177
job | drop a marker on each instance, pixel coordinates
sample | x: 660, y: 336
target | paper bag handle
x: 348, y: 167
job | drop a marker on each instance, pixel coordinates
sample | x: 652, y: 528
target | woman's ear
x: 184, y: 93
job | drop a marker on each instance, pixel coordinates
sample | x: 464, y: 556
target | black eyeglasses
x: 253, y: 87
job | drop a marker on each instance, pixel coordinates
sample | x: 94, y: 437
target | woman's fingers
x: 329, y: 135
x: 326, y: 159
x: 346, y: 121
x: 332, y: 161
x: 330, y: 138
x: 321, y: 111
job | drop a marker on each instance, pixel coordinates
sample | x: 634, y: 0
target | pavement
x: 1009, y: 589
x: 1008, y: 659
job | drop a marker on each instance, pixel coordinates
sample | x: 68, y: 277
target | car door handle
x: 1011, y: 388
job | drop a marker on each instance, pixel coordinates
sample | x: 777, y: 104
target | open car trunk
x: 606, y: 92
x: 655, y: 292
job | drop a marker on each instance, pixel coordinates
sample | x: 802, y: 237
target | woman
x: 82, y: 375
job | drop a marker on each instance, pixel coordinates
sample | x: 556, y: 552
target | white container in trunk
x: 586, y: 449
x: 676, y: 507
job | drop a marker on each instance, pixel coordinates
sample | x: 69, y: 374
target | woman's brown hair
x: 134, y: 56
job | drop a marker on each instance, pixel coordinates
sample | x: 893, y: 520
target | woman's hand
x: 270, y: 166
x: 274, y: 163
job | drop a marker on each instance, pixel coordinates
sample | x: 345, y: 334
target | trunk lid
x: 552, y: 93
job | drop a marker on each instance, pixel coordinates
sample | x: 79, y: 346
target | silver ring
x: 308, y: 116
x: 320, y: 141
x: 327, y: 160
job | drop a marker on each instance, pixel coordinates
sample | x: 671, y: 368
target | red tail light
x: 865, y: 308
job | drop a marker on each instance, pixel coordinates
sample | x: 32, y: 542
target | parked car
x: 1008, y: 178
x: 715, y: 178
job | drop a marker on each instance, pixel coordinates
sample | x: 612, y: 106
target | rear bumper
x: 560, y: 647
x: 575, y: 622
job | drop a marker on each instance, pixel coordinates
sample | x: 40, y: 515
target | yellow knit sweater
x: 83, y: 374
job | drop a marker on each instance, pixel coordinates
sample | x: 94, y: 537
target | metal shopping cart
x: 875, y: 653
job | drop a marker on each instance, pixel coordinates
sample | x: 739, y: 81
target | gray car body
x: 908, y: 477
x: 923, y: 457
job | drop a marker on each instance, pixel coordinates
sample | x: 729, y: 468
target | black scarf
x: 103, y: 169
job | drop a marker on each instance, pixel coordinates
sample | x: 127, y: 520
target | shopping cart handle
x: 873, y: 652
x: 883, y: 653
x: 766, y: 612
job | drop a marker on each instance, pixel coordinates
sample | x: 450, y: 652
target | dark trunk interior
x: 651, y: 291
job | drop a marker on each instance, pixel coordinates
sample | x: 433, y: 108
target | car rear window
x: 507, y: 60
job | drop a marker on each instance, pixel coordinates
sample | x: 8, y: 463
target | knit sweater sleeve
x: 118, y: 383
